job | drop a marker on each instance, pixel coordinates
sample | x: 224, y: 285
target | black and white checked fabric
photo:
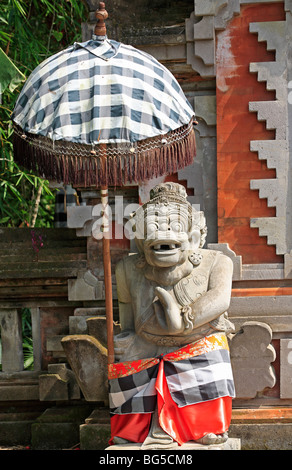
x: 134, y: 393
x: 101, y: 91
x: 201, y: 378
x: 190, y: 381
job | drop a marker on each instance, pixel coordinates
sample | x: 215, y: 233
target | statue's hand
x: 173, y: 317
x: 121, y: 342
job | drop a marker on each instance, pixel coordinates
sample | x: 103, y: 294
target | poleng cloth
x: 192, y: 388
x: 102, y: 92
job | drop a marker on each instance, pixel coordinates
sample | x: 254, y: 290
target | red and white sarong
x: 192, y: 389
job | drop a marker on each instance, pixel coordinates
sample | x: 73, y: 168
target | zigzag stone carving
x: 277, y: 35
x: 208, y: 17
x: 213, y: 15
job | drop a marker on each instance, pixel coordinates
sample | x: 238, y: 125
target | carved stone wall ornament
x: 251, y: 356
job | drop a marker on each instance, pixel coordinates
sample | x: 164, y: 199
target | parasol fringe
x: 135, y: 167
x: 100, y: 170
x: 114, y: 172
x: 120, y: 171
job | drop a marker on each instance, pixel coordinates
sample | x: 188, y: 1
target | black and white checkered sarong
x: 194, y: 380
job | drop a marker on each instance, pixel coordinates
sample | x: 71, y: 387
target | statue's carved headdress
x: 168, y: 192
x: 173, y: 193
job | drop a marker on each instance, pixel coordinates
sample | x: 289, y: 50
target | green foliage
x: 30, y: 31
x: 27, y: 342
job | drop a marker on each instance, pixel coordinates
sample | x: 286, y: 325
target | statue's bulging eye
x: 152, y: 226
x: 177, y: 226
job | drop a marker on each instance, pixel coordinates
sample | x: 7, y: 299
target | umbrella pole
x: 100, y: 30
x: 107, y: 274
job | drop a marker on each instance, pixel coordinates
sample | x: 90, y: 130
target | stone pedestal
x: 95, y: 433
x: 58, y: 427
x: 230, y: 444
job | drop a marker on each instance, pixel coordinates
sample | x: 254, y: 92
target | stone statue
x: 172, y: 368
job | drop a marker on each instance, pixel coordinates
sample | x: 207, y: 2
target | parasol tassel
x: 62, y: 162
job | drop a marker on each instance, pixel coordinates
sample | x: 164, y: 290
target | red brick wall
x: 236, y: 127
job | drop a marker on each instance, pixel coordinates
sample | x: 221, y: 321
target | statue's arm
x: 217, y: 299
x: 205, y: 309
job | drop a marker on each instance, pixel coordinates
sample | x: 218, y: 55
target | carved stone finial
x: 101, y: 15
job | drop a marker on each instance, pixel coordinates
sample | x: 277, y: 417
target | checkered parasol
x: 103, y: 92
x: 99, y: 114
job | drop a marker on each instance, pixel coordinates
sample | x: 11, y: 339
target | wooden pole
x: 100, y: 30
x: 107, y: 274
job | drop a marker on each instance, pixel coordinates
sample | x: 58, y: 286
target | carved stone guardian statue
x: 172, y: 380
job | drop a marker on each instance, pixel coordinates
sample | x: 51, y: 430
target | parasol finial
x: 101, y: 14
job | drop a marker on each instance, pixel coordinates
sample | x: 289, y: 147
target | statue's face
x: 167, y: 234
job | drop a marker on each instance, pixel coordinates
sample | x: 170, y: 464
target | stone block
x: 96, y: 432
x: 77, y: 216
x: 78, y: 325
x: 94, y: 436
x: 85, y: 287
x: 273, y: 151
x: 68, y: 375
x: 88, y: 360
x: 205, y: 107
x: 209, y: 7
x: 276, y: 436
x: 205, y: 50
x: 261, y: 272
x: 204, y: 29
x: 11, y: 337
x: 260, y: 306
x: 54, y: 343
x: 274, y: 190
x: 15, y: 427
x: 89, y: 311
x: 14, y: 433
x: 54, y: 436
x: 17, y: 391
x: 97, y: 329
x: 286, y: 368
x: 288, y: 265
x: 65, y: 414
x: 58, y: 427
x: 52, y: 388
x: 271, y: 112
x: 230, y: 444
x: 54, y: 347
x: 58, y: 384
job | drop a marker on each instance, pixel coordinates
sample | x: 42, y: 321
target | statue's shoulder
x: 206, y: 254
x: 128, y: 262
x: 211, y: 253
x: 214, y: 256
x: 126, y: 271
